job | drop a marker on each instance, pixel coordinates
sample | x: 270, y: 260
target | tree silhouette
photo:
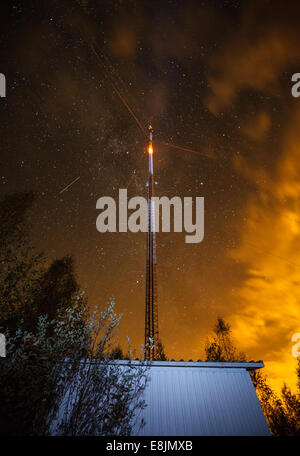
x: 27, y: 288
x: 57, y: 287
x: 282, y: 413
x: 53, y: 384
x: 20, y: 264
x: 220, y: 346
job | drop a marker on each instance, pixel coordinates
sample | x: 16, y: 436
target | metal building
x: 201, y: 398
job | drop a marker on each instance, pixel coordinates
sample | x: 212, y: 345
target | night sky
x: 213, y: 76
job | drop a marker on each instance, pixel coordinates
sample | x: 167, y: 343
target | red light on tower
x: 150, y: 148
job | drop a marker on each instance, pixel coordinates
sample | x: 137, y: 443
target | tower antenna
x: 151, y: 312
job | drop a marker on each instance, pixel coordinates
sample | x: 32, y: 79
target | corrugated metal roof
x: 200, y: 398
x: 251, y: 365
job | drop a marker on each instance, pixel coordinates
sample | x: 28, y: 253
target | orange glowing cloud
x: 269, y: 297
x: 264, y: 307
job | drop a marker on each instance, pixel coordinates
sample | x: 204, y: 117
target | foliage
x: 65, y: 383
x: 220, y: 346
x: 282, y: 413
x: 292, y: 406
x: 28, y: 289
x: 58, y: 376
x: 20, y: 264
x: 30, y: 372
x: 273, y: 408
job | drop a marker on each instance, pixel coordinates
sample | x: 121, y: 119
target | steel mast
x: 151, y: 312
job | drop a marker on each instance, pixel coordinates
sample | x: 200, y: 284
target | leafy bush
x: 64, y: 382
